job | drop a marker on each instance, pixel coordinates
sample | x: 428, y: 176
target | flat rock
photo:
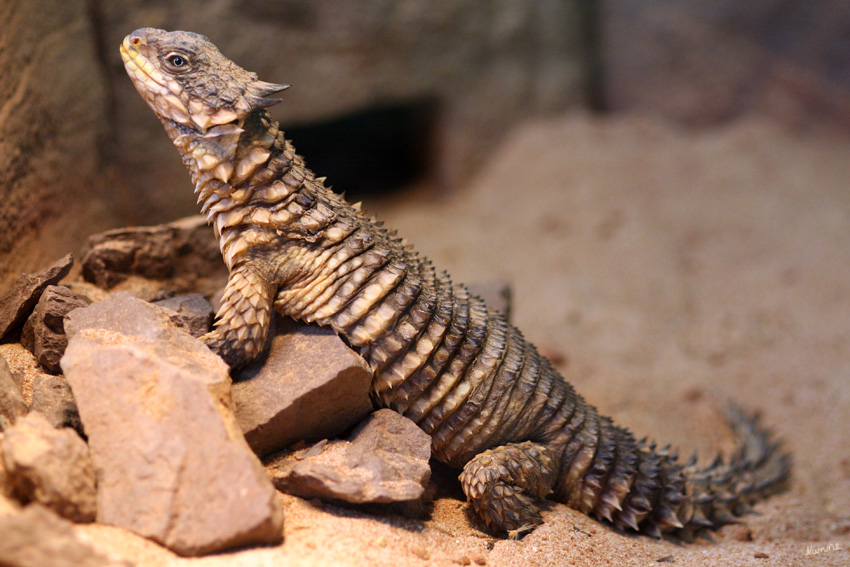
x: 18, y: 302
x: 50, y: 466
x: 52, y: 397
x: 384, y: 460
x: 12, y: 404
x: 44, y: 332
x: 37, y: 537
x: 308, y: 386
x: 172, y: 462
x: 184, y: 253
x: 193, y: 313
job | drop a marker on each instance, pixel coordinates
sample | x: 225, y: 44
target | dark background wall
x: 427, y: 88
x: 704, y: 62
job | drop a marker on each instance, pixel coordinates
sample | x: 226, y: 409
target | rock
x: 50, y: 466
x: 184, y: 254
x: 12, y: 404
x: 44, y: 332
x: 56, y: 184
x: 52, y: 397
x: 194, y: 314
x: 309, y: 385
x: 706, y: 63
x: 497, y: 295
x: 172, y: 463
x: 18, y: 302
x: 384, y: 460
x: 37, y: 537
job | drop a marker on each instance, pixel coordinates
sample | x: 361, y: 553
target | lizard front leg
x: 504, y: 485
x: 242, y: 321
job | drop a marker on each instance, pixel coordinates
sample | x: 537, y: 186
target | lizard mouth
x: 140, y: 67
x: 161, y: 94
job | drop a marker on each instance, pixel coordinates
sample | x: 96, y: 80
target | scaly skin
x: 491, y: 404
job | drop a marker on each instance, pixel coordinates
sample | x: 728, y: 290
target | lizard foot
x: 243, y: 320
x: 504, y: 485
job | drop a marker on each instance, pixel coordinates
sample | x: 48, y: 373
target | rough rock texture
x: 52, y: 398
x: 172, y: 463
x: 183, y: 254
x: 702, y: 62
x: 44, y: 332
x: 309, y: 385
x: 51, y: 467
x: 12, y: 404
x: 384, y: 460
x: 53, y: 117
x: 17, y: 303
x: 193, y: 313
x: 36, y: 537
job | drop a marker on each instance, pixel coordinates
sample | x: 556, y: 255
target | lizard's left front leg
x: 242, y: 322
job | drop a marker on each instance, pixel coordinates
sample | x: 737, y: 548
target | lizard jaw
x: 165, y: 95
x: 161, y: 94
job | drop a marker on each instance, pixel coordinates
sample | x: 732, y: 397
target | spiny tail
x: 686, y: 500
x: 724, y: 490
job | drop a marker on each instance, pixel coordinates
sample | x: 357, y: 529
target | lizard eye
x: 177, y: 62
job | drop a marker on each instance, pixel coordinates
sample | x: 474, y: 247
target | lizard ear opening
x: 258, y: 92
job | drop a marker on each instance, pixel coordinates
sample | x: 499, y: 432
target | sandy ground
x: 669, y: 271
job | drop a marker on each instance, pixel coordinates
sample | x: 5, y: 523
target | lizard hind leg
x: 506, y: 483
x: 243, y: 319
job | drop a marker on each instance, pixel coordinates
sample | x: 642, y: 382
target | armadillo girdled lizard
x: 491, y: 404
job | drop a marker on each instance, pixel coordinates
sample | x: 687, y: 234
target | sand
x: 668, y: 271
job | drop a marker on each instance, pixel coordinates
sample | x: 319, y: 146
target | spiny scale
x: 490, y: 402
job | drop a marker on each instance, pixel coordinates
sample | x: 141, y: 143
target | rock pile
x: 130, y: 420
x: 172, y: 463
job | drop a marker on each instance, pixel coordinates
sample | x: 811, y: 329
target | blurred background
x: 387, y: 94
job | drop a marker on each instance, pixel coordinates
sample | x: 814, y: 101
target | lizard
x: 493, y: 406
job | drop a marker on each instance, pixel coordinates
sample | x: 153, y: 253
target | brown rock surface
x: 36, y: 537
x: 52, y: 397
x: 172, y: 463
x: 701, y: 63
x: 44, y: 332
x: 308, y: 386
x: 53, y: 120
x: 182, y: 255
x: 193, y: 313
x: 17, y: 303
x: 12, y: 404
x: 384, y: 460
x: 51, y: 467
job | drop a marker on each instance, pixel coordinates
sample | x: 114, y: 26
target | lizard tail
x: 638, y: 486
x: 684, y: 500
x: 726, y: 489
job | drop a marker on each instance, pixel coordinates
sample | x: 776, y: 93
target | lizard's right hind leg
x: 504, y: 485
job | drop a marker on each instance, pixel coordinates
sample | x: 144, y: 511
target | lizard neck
x: 229, y: 163
x: 225, y: 156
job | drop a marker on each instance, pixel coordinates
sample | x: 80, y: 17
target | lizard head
x: 186, y: 80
